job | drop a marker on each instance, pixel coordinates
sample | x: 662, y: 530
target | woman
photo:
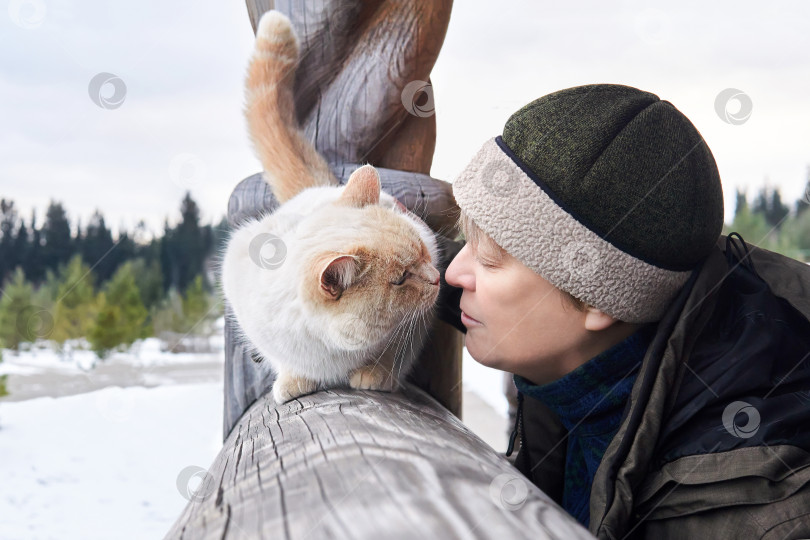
x: 664, y: 386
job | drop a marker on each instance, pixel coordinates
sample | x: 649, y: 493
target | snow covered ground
x: 103, y: 459
x: 103, y: 464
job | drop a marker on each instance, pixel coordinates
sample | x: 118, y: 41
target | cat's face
x: 379, y: 272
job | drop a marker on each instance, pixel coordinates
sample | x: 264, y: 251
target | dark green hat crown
x: 628, y: 166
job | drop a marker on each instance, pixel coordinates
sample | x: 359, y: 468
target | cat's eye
x: 402, y: 278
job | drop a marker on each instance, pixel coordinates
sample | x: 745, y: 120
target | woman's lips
x: 466, y: 320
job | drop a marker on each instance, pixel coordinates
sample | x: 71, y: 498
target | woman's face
x: 516, y: 320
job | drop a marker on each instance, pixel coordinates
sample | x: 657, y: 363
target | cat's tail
x: 290, y: 162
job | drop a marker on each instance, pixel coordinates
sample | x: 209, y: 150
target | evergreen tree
x: 752, y: 227
x: 795, y: 237
x: 170, y: 271
x: 58, y: 246
x: 21, y: 245
x: 149, y: 279
x: 19, y: 319
x: 125, y: 248
x: 47, y: 293
x: 95, y: 248
x: 168, y: 321
x: 8, y: 223
x: 121, y: 314
x: 803, y: 203
x: 768, y: 204
x: 185, y: 248
x: 33, y: 264
x: 75, y: 307
x: 741, y: 203
x: 196, y: 307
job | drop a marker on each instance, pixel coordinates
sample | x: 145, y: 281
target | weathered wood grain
x: 357, y: 57
x: 359, y: 464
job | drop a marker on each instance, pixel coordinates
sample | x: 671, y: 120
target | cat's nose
x: 433, y: 276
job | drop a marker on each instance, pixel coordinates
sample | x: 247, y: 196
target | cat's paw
x: 373, y: 377
x: 289, y: 387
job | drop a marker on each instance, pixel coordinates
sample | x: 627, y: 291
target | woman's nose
x: 459, y: 271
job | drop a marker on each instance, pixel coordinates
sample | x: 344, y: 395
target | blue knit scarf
x: 590, y: 402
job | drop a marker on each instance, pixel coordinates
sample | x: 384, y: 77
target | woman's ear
x: 596, y: 320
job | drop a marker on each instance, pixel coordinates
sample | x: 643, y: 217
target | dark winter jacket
x: 715, y: 438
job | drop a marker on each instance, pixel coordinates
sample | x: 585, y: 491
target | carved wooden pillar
x: 363, y: 96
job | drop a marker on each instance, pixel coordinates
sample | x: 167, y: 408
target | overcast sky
x: 180, y: 125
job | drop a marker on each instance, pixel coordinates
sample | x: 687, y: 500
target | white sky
x: 183, y: 64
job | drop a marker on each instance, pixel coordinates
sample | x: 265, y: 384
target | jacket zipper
x: 518, y: 426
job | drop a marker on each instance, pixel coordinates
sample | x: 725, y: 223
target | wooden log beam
x: 359, y: 464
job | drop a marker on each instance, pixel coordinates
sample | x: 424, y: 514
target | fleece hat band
x: 546, y: 238
x: 608, y: 192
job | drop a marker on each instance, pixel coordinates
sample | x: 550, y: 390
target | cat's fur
x: 331, y: 311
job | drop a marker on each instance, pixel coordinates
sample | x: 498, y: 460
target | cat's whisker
x: 402, y: 345
x: 392, y: 338
x: 414, y: 321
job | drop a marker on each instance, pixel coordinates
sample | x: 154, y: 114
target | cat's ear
x: 337, y: 275
x: 362, y: 188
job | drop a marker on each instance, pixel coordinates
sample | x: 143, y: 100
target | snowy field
x: 103, y: 459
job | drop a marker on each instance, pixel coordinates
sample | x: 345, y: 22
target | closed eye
x: 402, y: 278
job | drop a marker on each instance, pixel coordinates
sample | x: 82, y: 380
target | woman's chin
x: 483, y: 355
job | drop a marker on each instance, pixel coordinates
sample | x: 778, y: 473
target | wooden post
x: 353, y: 100
x: 364, y: 465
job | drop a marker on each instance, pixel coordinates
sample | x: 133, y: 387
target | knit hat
x: 606, y: 191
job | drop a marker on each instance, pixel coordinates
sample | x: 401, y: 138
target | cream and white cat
x: 338, y: 285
